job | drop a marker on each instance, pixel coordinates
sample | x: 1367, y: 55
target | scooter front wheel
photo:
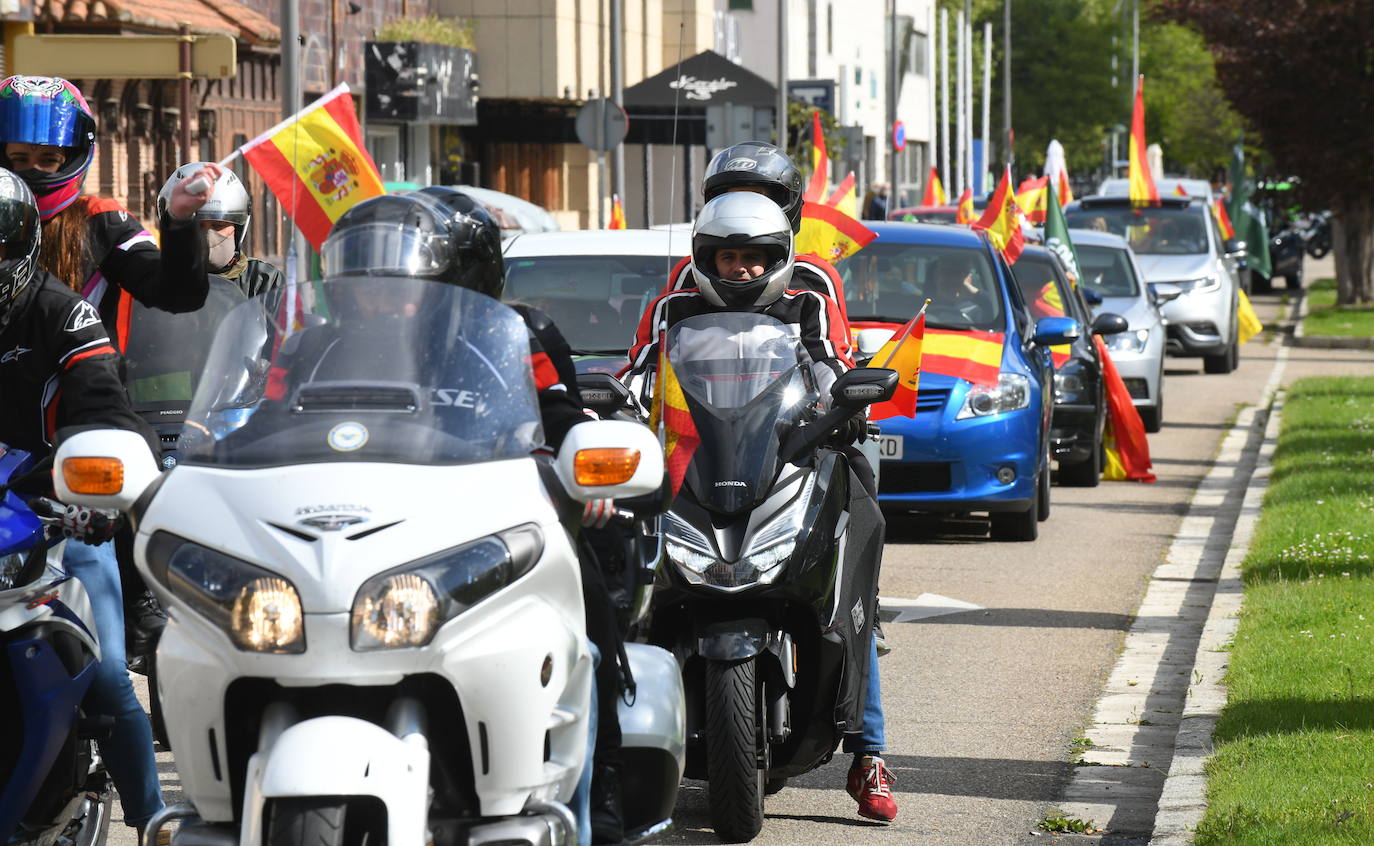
x: 307, y: 821
x: 733, y: 729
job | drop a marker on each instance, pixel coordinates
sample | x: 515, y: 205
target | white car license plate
x: 890, y: 447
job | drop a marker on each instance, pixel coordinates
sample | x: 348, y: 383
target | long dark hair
x: 66, y: 250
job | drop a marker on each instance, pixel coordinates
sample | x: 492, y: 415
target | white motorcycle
x: 376, y: 629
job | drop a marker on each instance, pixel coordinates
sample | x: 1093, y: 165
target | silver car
x: 1178, y: 242
x: 1112, y: 282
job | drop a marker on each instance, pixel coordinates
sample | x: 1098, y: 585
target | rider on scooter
x: 742, y: 260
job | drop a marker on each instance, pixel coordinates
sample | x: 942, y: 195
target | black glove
x: 92, y: 526
x: 852, y: 430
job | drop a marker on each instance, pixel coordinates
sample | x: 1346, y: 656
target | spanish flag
x: 617, y: 213
x: 672, y: 418
x: 316, y: 165
x: 1248, y: 324
x: 1002, y: 220
x: 1180, y: 191
x: 1223, y: 219
x: 845, y: 198
x: 828, y: 233
x: 1128, y: 451
x: 1142, y: 183
x: 820, y: 162
x: 903, y: 354
x: 965, y: 213
x: 1048, y: 303
x: 1031, y: 197
x: 935, y: 191
x: 970, y: 355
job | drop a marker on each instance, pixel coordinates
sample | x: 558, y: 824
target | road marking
x: 898, y: 610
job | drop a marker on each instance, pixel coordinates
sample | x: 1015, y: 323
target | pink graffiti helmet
x: 51, y: 111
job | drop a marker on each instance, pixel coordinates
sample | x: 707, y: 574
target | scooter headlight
x: 406, y: 606
x: 259, y: 610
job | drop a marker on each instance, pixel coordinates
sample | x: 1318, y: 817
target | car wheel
x: 1223, y: 362
x: 1083, y: 474
x: 1018, y: 525
x: 1152, y: 416
x: 1261, y: 284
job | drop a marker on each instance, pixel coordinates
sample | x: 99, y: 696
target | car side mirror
x: 1164, y: 292
x: 104, y: 468
x: 1053, y: 331
x: 869, y: 341
x: 1107, y: 323
x: 864, y: 386
x: 1090, y: 296
x: 1234, y: 247
x: 602, y: 393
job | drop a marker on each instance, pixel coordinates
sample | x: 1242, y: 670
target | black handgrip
x: 806, y: 438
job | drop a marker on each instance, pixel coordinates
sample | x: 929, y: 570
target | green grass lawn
x: 1294, y: 759
x: 1324, y: 318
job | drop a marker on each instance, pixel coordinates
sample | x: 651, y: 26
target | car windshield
x: 1150, y: 230
x: 889, y: 282
x: 595, y: 301
x: 397, y: 370
x: 1040, y: 286
x: 1107, y: 271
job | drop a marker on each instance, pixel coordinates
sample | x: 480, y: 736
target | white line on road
x: 898, y: 610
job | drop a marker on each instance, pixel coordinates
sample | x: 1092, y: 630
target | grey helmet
x: 737, y: 220
x: 229, y: 201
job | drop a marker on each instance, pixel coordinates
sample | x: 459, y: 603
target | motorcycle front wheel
x: 733, y: 728
x: 322, y: 821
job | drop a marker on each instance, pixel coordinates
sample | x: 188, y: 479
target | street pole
x: 968, y: 94
x: 944, y: 100
x: 297, y: 252
x: 185, y: 77
x: 1135, y: 45
x: 987, y: 102
x: 782, y: 77
x: 618, y: 93
x: 959, y: 83
x: 932, y: 145
x: 1006, y: 81
x: 601, y: 161
x: 892, y: 71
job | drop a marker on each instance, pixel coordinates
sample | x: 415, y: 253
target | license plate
x: 889, y: 447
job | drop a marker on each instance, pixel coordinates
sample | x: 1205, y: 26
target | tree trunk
x: 1352, y: 240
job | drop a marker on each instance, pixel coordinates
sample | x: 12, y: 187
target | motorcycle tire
x: 306, y: 821
x: 1319, y: 248
x: 735, y: 781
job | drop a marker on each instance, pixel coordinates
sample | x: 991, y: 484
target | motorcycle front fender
x: 733, y: 640
x: 342, y: 756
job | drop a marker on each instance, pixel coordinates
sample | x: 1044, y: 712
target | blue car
x: 980, y: 439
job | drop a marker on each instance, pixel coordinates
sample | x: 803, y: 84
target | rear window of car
x: 1108, y: 271
x: 1166, y: 230
x: 890, y: 282
x: 595, y: 301
x: 1040, y: 287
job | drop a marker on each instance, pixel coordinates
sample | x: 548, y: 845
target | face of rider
x: 44, y: 157
x: 740, y: 265
x: 219, y: 235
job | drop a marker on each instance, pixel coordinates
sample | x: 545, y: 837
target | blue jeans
x: 871, y: 740
x: 128, y: 751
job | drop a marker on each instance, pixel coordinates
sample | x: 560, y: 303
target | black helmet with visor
x: 760, y: 167
x: 20, y: 235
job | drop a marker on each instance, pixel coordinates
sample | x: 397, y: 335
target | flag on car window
x: 672, y: 419
x: 1030, y: 196
x: 1248, y: 324
x: 617, y: 213
x: 1128, y: 451
x: 830, y: 234
x: 1057, y: 235
x: 1002, y: 220
x: 1223, y: 219
x: 965, y: 213
x: 903, y: 354
x: 1142, y: 183
x: 935, y: 190
x: 316, y: 165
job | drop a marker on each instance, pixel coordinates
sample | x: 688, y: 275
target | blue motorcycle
x: 54, y: 790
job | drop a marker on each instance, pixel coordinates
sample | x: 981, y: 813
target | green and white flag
x: 1248, y: 222
x: 1057, y: 233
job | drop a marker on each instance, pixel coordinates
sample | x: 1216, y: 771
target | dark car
x: 1080, y: 410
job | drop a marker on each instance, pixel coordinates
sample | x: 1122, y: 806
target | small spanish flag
x: 1128, y: 451
x: 1031, y: 197
x: 1248, y: 324
x: 935, y: 190
x: 903, y: 354
x: 617, y: 213
x: 1002, y: 220
x: 1223, y: 219
x: 965, y: 213
x: 1142, y: 183
x: 672, y: 418
x: 316, y: 165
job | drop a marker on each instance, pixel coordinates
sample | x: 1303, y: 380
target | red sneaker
x: 870, y: 783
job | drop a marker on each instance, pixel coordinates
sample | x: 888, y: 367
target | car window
x: 1042, y: 288
x: 595, y: 301
x: 1108, y: 271
x: 1162, y: 230
x: 890, y: 281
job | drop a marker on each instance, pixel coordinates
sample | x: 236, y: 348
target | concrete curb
x: 1325, y: 342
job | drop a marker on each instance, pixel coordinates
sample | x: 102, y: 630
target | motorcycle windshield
x: 748, y: 383
x: 373, y: 368
x: 166, y: 352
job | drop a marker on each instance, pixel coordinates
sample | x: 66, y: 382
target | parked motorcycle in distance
x: 768, y: 598
x: 53, y: 785
x: 1315, y: 228
x: 376, y: 629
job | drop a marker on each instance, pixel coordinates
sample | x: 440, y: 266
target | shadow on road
x: 1031, y: 618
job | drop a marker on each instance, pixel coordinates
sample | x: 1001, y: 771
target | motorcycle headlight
x: 1129, y: 342
x: 1012, y: 392
x: 259, y: 610
x: 405, y: 606
x: 771, y: 546
x: 1200, y: 286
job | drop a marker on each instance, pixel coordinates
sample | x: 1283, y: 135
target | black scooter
x: 767, y: 594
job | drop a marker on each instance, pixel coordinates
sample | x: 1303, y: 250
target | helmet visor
x: 43, y: 120
x: 385, y: 248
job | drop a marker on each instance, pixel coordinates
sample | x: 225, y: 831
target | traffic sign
x: 601, y: 125
x: 898, y: 136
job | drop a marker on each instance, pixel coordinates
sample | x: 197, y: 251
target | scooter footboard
x: 342, y: 756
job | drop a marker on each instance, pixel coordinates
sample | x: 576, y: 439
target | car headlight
x: 1199, y: 286
x: 1129, y: 342
x: 1012, y: 392
x: 259, y: 610
x: 406, y: 605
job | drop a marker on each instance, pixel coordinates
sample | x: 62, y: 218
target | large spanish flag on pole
x: 830, y: 234
x: 672, y: 419
x: 903, y: 354
x: 935, y: 190
x: 1030, y: 196
x: 316, y: 165
x: 1002, y: 220
x: 820, y: 162
x: 1142, y: 183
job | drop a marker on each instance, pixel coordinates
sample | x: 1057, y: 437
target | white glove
x: 597, y: 513
x: 93, y: 526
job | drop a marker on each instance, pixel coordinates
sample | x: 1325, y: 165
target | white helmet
x: 736, y: 220
x: 229, y: 201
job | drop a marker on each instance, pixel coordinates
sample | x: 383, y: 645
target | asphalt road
x: 982, y: 705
